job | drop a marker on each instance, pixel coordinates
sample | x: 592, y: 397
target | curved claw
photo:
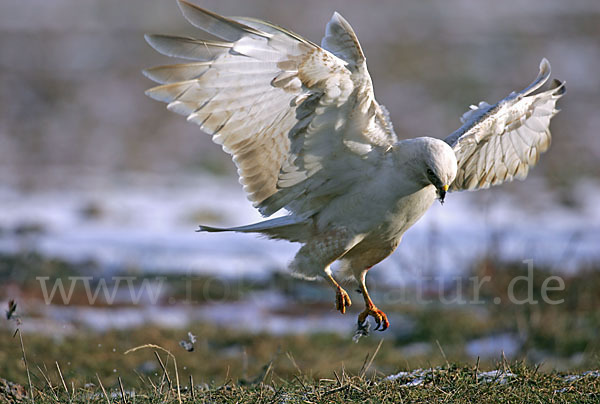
x: 342, y: 300
x: 380, y: 318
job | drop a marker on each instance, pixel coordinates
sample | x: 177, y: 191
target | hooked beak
x: 442, y: 193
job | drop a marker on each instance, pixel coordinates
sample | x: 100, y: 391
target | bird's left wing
x: 300, y: 121
x: 499, y: 142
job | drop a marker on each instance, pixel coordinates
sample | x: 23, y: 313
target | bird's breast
x: 378, y: 211
x: 407, y: 211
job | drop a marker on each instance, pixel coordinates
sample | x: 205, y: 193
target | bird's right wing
x: 301, y: 122
x: 499, y: 142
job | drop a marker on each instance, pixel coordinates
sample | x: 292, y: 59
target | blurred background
x: 99, y: 182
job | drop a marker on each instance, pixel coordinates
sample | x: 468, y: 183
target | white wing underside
x: 500, y: 142
x: 300, y: 121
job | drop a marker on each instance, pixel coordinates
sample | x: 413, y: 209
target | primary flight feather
x: 307, y: 135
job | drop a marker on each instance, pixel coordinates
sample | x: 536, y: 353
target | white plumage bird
x: 307, y: 135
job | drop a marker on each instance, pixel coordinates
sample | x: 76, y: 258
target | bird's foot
x: 342, y: 300
x: 379, y: 316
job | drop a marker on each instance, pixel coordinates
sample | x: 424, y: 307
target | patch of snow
x: 257, y: 313
x: 151, y: 227
x: 419, y: 376
x: 588, y: 373
x: 494, y: 345
x: 413, y: 378
x: 495, y: 376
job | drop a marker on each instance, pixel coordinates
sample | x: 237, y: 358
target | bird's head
x: 439, y: 166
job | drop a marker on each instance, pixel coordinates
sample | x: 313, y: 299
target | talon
x: 386, y: 324
x: 379, y: 316
x: 342, y: 300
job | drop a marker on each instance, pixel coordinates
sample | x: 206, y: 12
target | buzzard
x: 304, y: 129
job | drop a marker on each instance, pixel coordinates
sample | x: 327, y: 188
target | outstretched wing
x: 499, y: 142
x: 300, y: 121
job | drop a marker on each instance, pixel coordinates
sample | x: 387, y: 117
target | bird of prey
x: 307, y: 135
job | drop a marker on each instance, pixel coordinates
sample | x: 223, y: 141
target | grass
x: 229, y: 364
x: 233, y: 366
x: 454, y: 383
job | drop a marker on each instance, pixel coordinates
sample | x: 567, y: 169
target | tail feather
x: 283, y: 228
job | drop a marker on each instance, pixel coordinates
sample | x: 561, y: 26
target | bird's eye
x: 430, y: 173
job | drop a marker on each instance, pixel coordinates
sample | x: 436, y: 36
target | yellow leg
x: 370, y: 308
x: 342, y: 300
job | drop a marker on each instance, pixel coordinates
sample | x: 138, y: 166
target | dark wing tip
x: 559, y: 88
